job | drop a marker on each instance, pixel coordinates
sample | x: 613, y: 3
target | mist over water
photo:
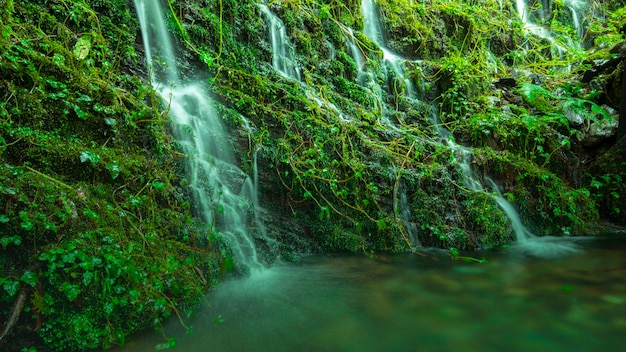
x: 417, y: 302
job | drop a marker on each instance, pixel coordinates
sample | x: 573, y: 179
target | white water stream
x: 530, y: 21
x: 283, y: 58
x: 525, y: 241
x: 223, y: 196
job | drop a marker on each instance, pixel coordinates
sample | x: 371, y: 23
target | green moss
x: 99, y: 227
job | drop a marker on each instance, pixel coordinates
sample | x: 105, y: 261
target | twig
x: 49, y: 178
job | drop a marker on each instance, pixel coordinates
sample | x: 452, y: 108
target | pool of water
x: 417, y: 302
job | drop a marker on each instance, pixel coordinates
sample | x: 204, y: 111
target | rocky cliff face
x: 356, y: 143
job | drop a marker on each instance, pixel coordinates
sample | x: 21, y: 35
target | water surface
x: 418, y: 302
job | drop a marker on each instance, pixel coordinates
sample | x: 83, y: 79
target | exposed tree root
x: 15, y: 313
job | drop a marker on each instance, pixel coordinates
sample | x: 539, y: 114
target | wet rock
x: 599, y: 131
x: 574, y: 116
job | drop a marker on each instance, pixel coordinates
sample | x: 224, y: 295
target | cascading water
x: 576, y: 7
x: 403, y: 207
x: 372, y: 29
x: 214, y: 179
x: 356, y: 53
x: 533, y: 21
x: 283, y: 59
x: 282, y: 52
x: 525, y: 241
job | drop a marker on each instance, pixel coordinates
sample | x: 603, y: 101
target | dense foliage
x: 97, y: 232
x: 95, y: 229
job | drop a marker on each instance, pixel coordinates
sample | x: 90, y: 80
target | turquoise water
x: 417, y: 302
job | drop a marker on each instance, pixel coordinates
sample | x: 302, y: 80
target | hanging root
x: 15, y: 313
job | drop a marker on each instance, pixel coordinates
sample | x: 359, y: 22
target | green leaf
x: 87, y: 277
x: 7, y: 240
x: 324, y: 213
x: 58, y: 59
x: 83, y: 98
x: 598, y: 110
x: 119, y: 336
x: 29, y: 278
x: 381, y: 224
x: 207, y: 59
x: 532, y: 91
x: 114, y: 169
x: 80, y: 113
x: 358, y: 227
x: 71, y: 291
x: 50, y: 226
x: 82, y: 47
x: 27, y: 225
x: 87, y: 156
x: 11, y: 287
x: 325, y: 11
x: 110, y: 121
x: 171, y: 343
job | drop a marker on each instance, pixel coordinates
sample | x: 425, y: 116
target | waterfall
x: 522, y: 234
x: 373, y: 30
x: 283, y: 59
x: 355, y: 52
x: 538, y: 30
x: 216, y: 183
x: 404, y: 213
x: 284, y: 62
x: 575, y: 8
x: 526, y: 242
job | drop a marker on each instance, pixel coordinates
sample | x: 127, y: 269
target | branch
x: 15, y: 313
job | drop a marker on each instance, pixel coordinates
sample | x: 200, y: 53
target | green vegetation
x: 94, y: 227
x: 97, y: 235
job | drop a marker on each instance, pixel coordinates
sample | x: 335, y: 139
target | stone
x: 599, y: 131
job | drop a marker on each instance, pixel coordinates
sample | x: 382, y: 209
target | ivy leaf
x: 11, y: 287
x: 80, y: 113
x: 82, y: 47
x: 114, y: 169
x: 87, y: 277
x: 29, y: 278
x: 325, y: 12
x: 71, y: 291
x: 87, y: 156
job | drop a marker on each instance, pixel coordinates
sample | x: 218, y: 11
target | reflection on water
x: 418, y: 303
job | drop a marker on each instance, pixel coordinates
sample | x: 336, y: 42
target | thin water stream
x: 418, y: 302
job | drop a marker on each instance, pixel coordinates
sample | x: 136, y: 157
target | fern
x: 586, y: 108
x: 532, y: 91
